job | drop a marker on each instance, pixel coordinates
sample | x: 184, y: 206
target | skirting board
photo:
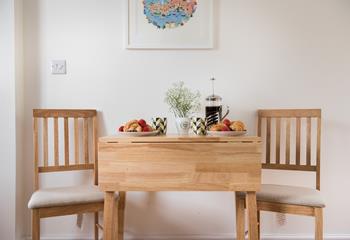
x: 202, y: 237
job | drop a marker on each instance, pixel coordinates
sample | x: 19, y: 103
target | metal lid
x: 213, y: 98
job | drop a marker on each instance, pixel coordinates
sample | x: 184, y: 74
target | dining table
x: 179, y: 163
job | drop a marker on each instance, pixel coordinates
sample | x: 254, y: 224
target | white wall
x: 7, y: 120
x: 269, y: 54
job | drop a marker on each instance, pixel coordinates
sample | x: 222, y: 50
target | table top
x: 177, y: 138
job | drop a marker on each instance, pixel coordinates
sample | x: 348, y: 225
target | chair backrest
x: 294, y: 124
x: 41, y: 143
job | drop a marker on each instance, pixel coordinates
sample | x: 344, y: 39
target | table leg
x: 240, y: 218
x: 108, y: 216
x: 121, y: 215
x: 252, y: 215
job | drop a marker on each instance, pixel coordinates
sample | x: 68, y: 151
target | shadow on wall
x: 142, y: 224
x: 32, y: 94
x: 102, y: 130
x: 152, y: 214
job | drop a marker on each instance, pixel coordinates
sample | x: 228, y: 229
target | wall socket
x: 58, y: 67
x: 281, y: 219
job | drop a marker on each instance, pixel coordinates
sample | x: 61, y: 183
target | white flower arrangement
x: 182, y: 101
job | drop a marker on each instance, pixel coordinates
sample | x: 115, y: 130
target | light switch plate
x: 58, y: 67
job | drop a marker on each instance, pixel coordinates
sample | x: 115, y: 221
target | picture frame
x: 195, y: 33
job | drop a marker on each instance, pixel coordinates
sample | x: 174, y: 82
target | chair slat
x: 298, y: 142
x: 56, y: 146
x: 268, y: 140
x: 94, y: 148
x: 76, y: 140
x: 45, y: 142
x: 287, y: 140
x: 36, y: 153
x: 278, y: 140
x: 66, y: 142
x: 318, y: 155
x: 308, y: 141
x: 86, y: 140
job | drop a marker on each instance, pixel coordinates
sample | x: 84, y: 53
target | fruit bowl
x: 138, y: 134
x: 136, y: 128
x: 226, y: 133
x: 227, y: 128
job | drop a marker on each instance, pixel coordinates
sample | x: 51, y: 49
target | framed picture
x: 169, y: 24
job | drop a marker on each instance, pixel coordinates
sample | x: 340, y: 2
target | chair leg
x: 96, y: 228
x: 35, y: 224
x: 240, y: 218
x: 121, y: 215
x: 318, y: 223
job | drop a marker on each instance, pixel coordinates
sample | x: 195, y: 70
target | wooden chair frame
x: 297, y: 114
x: 56, y: 114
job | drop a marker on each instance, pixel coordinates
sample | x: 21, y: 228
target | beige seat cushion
x: 62, y: 196
x: 290, y: 195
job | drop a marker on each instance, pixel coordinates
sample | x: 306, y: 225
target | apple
x: 146, y: 129
x: 225, y: 128
x: 121, y: 129
x: 142, y: 123
x: 227, y: 122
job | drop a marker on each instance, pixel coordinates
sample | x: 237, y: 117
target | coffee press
x: 213, y: 108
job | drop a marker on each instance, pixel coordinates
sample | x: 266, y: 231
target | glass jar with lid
x: 213, y: 108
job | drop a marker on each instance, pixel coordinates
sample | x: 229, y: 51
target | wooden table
x: 173, y: 163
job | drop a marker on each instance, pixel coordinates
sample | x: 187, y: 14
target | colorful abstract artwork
x: 169, y: 13
x: 169, y: 24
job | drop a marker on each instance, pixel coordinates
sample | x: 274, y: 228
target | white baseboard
x: 202, y: 237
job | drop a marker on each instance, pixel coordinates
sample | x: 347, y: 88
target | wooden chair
x: 282, y: 198
x: 51, y: 202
